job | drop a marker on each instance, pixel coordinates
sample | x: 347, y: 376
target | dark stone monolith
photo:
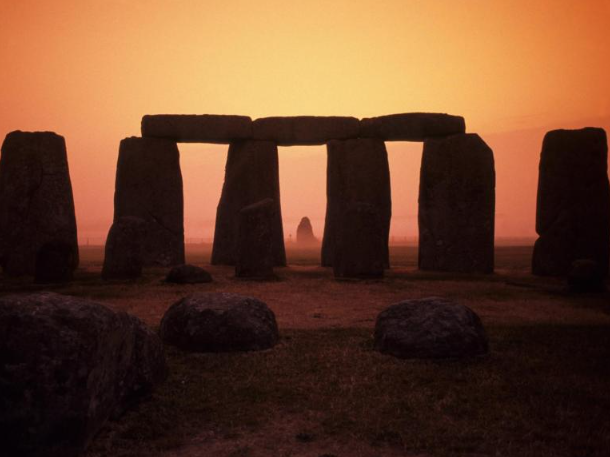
x: 305, y: 236
x: 125, y: 249
x: 54, y: 263
x: 36, y: 203
x: 197, y: 128
x: 305, y: 130
x: 149, y: 186
x: 411, y: 126
x: 456, y: 205
x: 251, y: 175
x: 255, y: 240
x: 573, y: 211
x: 357, y: 171
x: 360, y: 249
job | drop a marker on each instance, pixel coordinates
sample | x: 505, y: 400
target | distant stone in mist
x: 411, y: 126
x: 68, y: 365
x: 573, y: 211
x: 457, y: 205
x: 430, y: 328
x: 149, y: 186
x: 305, y: 236
x: 124, y: 254
x: 191, y: 128
x: 357, y: 171
x: 251, y: 175
x: 361, y: 244
x: 188, y: 274
x: 36, y: 202
x: 305, y: 130
x: 219, y: 322
x: 255, y: 240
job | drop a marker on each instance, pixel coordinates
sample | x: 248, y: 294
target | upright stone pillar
x: 251, y: 175
x: 573, y: 211
x: 36, y: 204
x: 456, y: 205
x: 149, y: 187
x: 254, y: 241
x: 357, y: 172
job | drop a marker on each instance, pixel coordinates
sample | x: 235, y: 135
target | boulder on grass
x: 188, y: 274
x: 66, y: 366
x: 430, y: 328
x: 219, y: 322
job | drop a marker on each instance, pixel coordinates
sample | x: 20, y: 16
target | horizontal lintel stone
x: 197, y: 128
x: 411, y: 126
x: 305, y: 130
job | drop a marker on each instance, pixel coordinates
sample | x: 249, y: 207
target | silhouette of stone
x: 411, y: 126
x: 36, y: 202
x: 124, y: 255
x: 305, y: 130
x: 188, y: 274
x: 251, y: 175
x: 54, y: 263
x: 149, y: 186
x: 430, y: 328
x: 191, y: 128
x: 360, y: 250
x: 357, y: 171
x: 456, y: 205
x: 219, y: 322
x: 586, y: 276
x: 68, y: 365
x: 573, y: 211
x: 305, y: 236
x: 255, y: 240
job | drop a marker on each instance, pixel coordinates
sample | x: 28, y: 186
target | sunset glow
x: 89, y: 70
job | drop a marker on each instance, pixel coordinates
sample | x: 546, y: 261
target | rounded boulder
x: 188, y: 274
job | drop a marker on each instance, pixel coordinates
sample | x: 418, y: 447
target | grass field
x: 544, y: 389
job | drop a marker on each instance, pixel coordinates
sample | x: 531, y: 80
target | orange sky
x: 89, y: 70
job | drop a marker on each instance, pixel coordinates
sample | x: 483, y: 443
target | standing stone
x: 456, y: 205
x: 358, y: 171
x: 255, y: 240
x: 54, y: 263
x: 359, y: 251
x: 251, y: 175
x: 573, y: 211
x: 149, y: 186
x: 125, y: 249
x: 305, y: 236
x: 36, y: 202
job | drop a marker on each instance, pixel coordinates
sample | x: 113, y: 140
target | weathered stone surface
x: 430, y: 328
x: 361, y: 248
x: 188, y: 274
x: 193, y: 128
x: 36, y: 202
x: 586, y: 276
x: 357, y: 171
x: 411, y: 126
x: 305, y: 236
x: 54, y: 263
x: 255, y: 240
x: 456, y: 205
x: 66, y: 366
x: 573, y: 211
x: 251, y: 175
x: 124, y: 254
x: 149, y: 186
x: 305, y: 130
x: 219, y: 322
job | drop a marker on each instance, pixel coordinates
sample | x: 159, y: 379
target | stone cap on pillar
x: 197, y: 128
x: 305, y: 130
x: 411, y: 126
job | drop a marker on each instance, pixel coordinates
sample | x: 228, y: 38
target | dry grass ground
x: 544, y: 390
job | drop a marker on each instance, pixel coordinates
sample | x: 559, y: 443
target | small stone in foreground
x: 188, y: 274
x: 430, y: 328
x: 219, y: 322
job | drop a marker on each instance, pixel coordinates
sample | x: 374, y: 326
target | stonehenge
x: 457, y: 205
x: 149, y: 186
x: 37, y: 219
x: 573, y: 208
x: 357, y: 172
